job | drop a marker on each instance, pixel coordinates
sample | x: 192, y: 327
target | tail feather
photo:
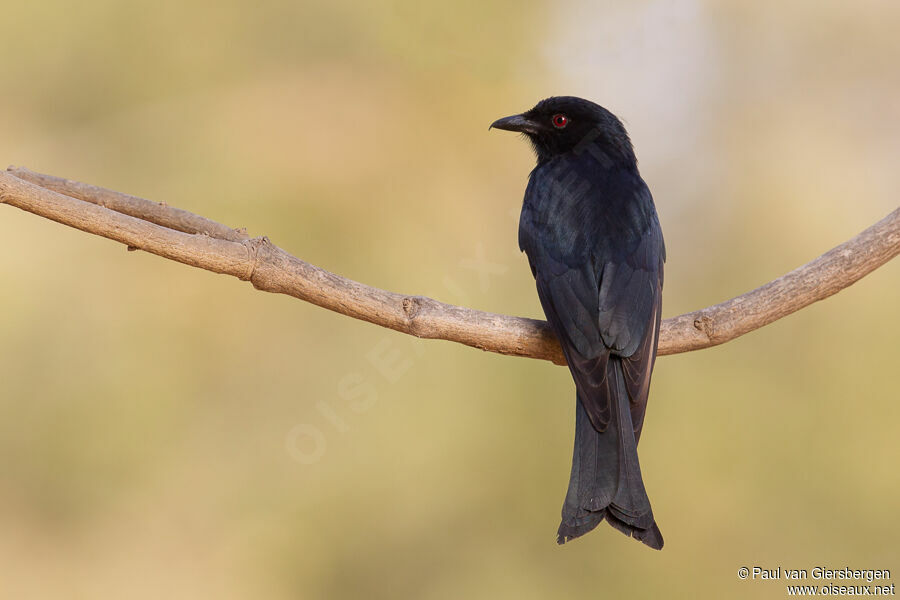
x: 605, y: 482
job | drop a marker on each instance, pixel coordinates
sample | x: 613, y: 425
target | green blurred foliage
x: 153, y: 415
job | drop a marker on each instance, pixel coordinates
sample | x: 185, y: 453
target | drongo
x: 595, y: 247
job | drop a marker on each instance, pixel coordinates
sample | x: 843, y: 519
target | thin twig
x: 190, y: 239
x: 155, y: 212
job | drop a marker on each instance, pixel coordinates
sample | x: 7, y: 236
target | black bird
x: 593, y: 240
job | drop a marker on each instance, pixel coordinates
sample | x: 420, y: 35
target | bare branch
x: 155, y: 212
x: 194, y: 240
x: 825, y: 276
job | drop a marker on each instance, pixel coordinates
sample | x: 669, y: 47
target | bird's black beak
x: 515, y: 123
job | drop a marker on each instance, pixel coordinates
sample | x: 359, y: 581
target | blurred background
x: 167, y: 432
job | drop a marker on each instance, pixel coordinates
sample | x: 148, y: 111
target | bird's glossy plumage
x: 593, y: 240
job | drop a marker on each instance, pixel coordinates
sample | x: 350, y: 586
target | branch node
x: 253, y: 245
x: 411, y: 306
x: 706, y: 325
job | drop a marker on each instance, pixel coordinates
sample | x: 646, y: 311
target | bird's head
x: 563, y: 124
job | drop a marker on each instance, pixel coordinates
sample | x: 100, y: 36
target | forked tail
x: 606, y: 477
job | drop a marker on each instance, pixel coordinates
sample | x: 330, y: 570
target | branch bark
x: 194, y: 240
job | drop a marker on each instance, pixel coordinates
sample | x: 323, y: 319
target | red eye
x: 560, y: 121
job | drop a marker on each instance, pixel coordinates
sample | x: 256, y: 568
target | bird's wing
x: 597, y: 255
